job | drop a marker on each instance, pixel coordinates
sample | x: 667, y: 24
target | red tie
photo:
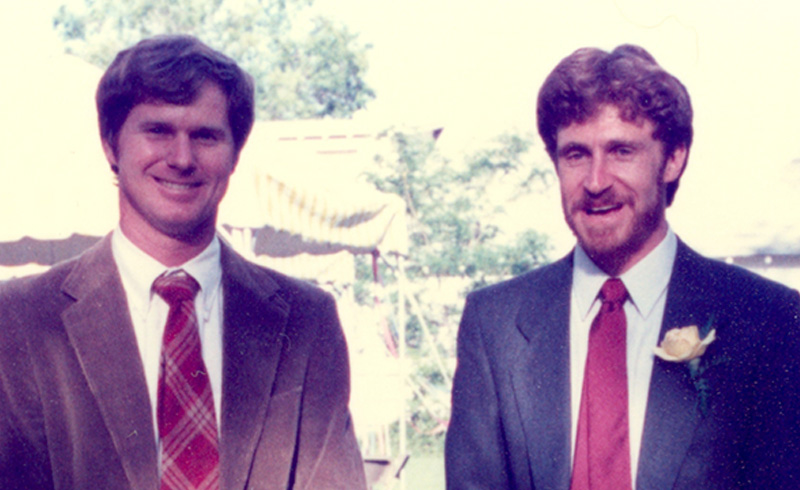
x: 187, y: 425
x: 602, y: 450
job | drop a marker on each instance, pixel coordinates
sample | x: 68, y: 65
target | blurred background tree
x: 453, y: 206
x: 305, y: 66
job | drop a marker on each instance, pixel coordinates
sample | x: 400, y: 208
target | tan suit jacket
x: 74, y: 407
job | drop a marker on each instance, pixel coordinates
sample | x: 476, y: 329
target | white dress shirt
x: 149, y: 311
x: 646, y: 283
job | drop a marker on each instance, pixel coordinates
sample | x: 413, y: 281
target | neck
x: 621, y: 260
x: 171, y: 251
x: 613, y: 264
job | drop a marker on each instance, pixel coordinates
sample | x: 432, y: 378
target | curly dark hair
x: 172, y: 69
x: 628, y: 78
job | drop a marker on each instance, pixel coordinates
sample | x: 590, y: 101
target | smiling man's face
x: 173, y: 165
x: 613, y: 177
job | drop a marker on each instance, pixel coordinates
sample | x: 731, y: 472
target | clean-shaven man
x: 160, y: 358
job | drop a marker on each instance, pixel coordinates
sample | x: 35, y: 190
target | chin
x: 602, y: 243
x: 596, y: 251
x: 187, y: 231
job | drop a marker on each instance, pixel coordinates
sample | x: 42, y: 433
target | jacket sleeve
x: 24, y: 462
x: 475, y: 449
x: 327, y: 455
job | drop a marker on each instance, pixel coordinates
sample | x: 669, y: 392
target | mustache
x: 588, y: 202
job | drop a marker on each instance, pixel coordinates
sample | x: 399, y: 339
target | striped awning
x: 307, y: 194
x: 326, y: 224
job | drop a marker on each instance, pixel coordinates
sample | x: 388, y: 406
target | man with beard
x: 160, y: 358
x: 633, y: 362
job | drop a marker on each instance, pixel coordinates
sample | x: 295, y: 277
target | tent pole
x: 401, y: 334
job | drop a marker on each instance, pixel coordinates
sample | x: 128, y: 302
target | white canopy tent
x: 304, y: 180
x: 55, y: 187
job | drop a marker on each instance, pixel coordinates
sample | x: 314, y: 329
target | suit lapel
x: 672, y: 413
x: 254, y: 318
x: 542, y: 382
x: 99, y: 327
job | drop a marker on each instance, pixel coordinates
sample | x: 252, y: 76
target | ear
x: 675, y: 164
x: 238, y: 152
x: 110, y: 156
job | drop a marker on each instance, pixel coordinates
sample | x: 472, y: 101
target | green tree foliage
x: 304, y: 65
x: 453, y: 207
x: 456, y: 246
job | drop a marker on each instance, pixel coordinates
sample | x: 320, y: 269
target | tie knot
x: 176, y: 287
x: 613, y: 291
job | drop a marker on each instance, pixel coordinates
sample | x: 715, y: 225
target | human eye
x: 207, y: 136
x: 157, y: 130
x: 573, y: 157
x: 623, y: 152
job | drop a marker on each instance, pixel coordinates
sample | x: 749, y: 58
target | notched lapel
x: 541, y: 383
x: 255, y: 318
x: 99, y: 327
x: 672, y: 413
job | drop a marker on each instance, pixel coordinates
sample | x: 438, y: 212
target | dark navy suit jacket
x: 510, y: 424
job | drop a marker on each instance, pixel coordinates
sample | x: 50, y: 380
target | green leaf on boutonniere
x: 688, y: 344
x: 705, y: 329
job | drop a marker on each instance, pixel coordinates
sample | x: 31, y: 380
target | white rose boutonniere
x: 685, y: 345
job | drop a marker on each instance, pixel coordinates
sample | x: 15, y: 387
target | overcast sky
x: 474, y: 66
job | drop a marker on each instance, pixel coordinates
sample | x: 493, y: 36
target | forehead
x: 209, y: 105
x: 607, y: 123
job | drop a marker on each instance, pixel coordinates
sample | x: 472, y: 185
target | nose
x: 181, y: 155
x: 599, y: 176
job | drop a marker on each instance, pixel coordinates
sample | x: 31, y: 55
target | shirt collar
x: 646, y: 281
x: 142, y: 269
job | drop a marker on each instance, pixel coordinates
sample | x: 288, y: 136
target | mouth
x: 177, y: 186
x: 598, y: 210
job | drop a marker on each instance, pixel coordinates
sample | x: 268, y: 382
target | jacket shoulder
x: 541, y: 280
x: 267, y: 281
x: 34, y: 291
x: 732, y: 283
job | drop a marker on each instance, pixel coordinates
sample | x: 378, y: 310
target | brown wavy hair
x: 172, y: 69
x: 628, y: 78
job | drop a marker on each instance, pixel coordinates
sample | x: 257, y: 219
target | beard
x: 614, y: 243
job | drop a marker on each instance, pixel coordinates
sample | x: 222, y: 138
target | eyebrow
x: 149, y: 123
x: 571, y: 146
x: 575, y: 146
x: 615, y: 143
x: 154, y: 122
x: 214, y: 130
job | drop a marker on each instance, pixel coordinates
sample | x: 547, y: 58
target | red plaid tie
x: 187, y: 425
x: 602, y: 449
